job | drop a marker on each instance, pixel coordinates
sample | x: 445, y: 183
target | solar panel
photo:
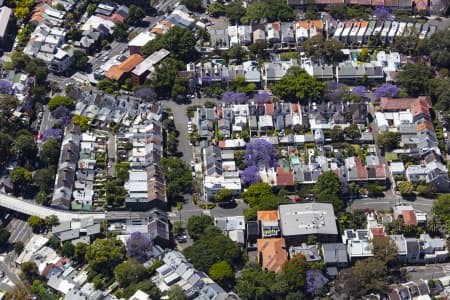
x: 351, y: 234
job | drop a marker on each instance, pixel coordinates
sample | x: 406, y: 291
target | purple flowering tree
x: 5, y: 87
x: 333, y: 90
x: 229, y: 97
x: 52, y: 134
x: 260, y: 153
x: 315, y: 282
x: 261, y: 97
x: 381, y: 13
x: 359, y: 90
x: 386, y: 90
x: 250, y: 175
x: 63, y: 115
x: 146, y: 93
x: 138, y: 246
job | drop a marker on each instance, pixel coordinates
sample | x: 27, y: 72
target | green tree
x: 255, y: 12
x: 42, y: 198
x: 279, y: 11
x: 58, y: 101
x: 193, y: 5
x: 179, y: 87
x: 120, y: 30
x: 18, y: 247
x: 216, y: 9
x: 44, y: 179
x: 68, y: 249
x: 224, y: 195
x: 21, y: 178
x: 4, y: 235
x: 388, y: 140
x: 324, y: 51
x: 130, y: 272
x: 441, y: 208
x: 415, y: 78
x: 28, y: 271
x: 297, y: 85
x: 197, y: 224
x: 26, y: 146
x: 80, y: 60
x: 178, y: 176
x: 255, y: 283
x: 327, y: 189
x: 221, y: 272
x: 81, y: 121
x: 213, y: 246
x: 5, y: 146
x: 40, y: 289
x: 438, y: 48
x: 80, y: 252
x: 293, y: 273
x: 103, y: 255
x: 50, y: 152
x: 7, y: 104
x: 164, y: 77
x: 337, y: 134
x: 385, y: 250
x: 135, y: 14
x: 405, y: 188
x: 54, y: 243
x: 408, y: 42
x: 352, y: 132
x: 234, y: 11
x: 176, y: 292
x: 147, y: 286
x: 369, y: 275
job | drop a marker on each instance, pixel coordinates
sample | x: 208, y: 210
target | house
x: 310, y: 252
x: 272, y: 254
x: 219, y: 38
x: 212, y: 160
x: 300, y: 220
x: 434, y: 249
x: 158, y: 227
x: 253, y: 233
x: 319, y: 71
x: 363, y: 26
x: 244, y: 34
x: 334, y: 255
x: 212, y: 184
x: 119, y: 72
x: 274, y: 71
x: 358, y: 243
x: 141, y: 71
x: 433, y: 173
x: 259, y: 35
x: 287, y: 34
x: 139, y: 41
x: 61, y: 61
x: 397, y: 168
x: 301, y: 31
x: 273, y: 32
x: 402, y: 249
x: 233, y: 227
x: 268, y: 222
x: 406, y: 213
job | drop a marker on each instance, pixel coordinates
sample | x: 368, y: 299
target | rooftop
x: 272, y: 253
x: 307, y: 218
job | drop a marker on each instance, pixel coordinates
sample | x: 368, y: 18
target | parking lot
x: 20, y: 231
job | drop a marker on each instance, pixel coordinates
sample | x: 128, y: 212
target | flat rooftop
x: 307, y: 218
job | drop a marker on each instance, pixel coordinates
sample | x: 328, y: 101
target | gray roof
x: 307, y: 219
x: 334, y: 253
x: 5, y: 14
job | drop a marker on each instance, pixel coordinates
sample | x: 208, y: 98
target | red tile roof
x: 377, y: 232
x: 389, y: 103
x: 284, y: 178
x: 116, y: 72
x: 267, y: 215
x: 409, y: 217
x: 425, y: 125
x: 362, y: 171
x: 269, y: 109
x: 272, y: 253
x: 380, y: 171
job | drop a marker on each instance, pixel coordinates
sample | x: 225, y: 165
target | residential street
x: 421, y: 204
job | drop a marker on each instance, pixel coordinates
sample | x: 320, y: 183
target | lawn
x: 391, y: 156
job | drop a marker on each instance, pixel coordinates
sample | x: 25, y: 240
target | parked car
x: 182, y: 238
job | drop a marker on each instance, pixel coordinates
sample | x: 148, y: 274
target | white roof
x: 140, y: 295
x: 35, y: 243
x: 150, y: 61
x: 141, y: 39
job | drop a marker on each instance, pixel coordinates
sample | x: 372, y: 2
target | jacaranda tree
x: 138, y: 245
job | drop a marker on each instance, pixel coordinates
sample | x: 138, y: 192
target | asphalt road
x: 421, y: 204
x: 430, y: 271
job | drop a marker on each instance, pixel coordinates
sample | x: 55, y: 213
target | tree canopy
x: 324, y: 51
x: 130, y: 272
x: 103, y: 255
x: 415, y: 78
x: 298, y: 85
x: 388, y: 140
x: 327, y: 189
x: 212, y: 247
x: 163, y: 79
x: 58, y: 101
x: 179, y: 41
x: 221, y: 272
x: 178, y: 176
x: 197, y: 224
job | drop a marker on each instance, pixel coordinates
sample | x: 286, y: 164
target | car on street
x: 2, y: 274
